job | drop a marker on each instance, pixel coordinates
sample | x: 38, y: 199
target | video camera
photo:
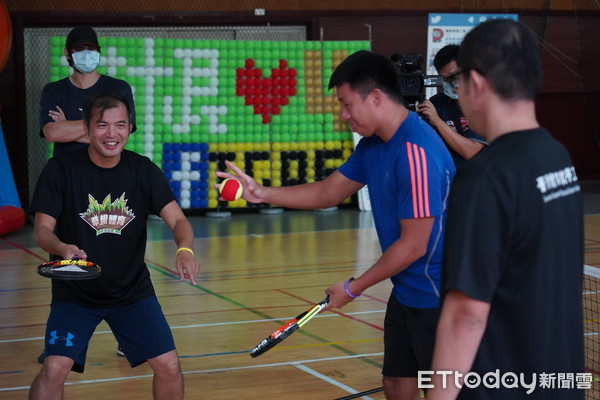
x: 412, y: 80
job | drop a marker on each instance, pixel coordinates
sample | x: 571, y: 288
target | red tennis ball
x: 231, y: 189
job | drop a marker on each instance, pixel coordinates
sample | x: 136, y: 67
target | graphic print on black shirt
x: 108, y: 217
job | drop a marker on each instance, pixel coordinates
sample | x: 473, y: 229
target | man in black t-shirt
x: 61, y: 102
x: 94, y: 203
x: 511, y: 323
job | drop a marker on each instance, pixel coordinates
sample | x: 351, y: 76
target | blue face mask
x: 448, y: 90
x: 86, y: 61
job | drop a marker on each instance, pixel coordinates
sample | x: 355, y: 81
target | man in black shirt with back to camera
x: 512, y: 271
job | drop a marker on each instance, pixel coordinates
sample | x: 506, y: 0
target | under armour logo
x: 67, y: 339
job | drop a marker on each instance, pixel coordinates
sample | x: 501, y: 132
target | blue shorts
x: 140, y: 328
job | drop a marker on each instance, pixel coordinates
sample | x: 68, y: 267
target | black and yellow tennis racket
x: 288, y: 328
x: 70, y: 270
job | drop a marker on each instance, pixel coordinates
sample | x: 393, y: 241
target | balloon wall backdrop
x: 263, y: 105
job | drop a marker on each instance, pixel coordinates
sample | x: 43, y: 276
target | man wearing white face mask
x: 443, y: 112
x: 61, y: 103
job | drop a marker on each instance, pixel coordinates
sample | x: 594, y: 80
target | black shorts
x: 409, y: 337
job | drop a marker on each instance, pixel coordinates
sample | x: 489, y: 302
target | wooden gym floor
x: 257, y: 272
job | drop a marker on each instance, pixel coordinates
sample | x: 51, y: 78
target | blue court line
x: 24, y: 289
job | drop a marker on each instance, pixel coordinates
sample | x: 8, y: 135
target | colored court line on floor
x: 254, y: 321
x: 166, y: 271
x: 299, y: 346
x: 325, y: 267
x: 380, y: 328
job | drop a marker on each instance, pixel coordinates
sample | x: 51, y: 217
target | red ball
x: 231, y: 189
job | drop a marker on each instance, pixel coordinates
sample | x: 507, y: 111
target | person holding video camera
x: 443, y: 112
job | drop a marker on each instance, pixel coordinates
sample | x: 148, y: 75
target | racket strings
x: 69, y: 268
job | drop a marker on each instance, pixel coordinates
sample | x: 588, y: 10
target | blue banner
x: 8, y: 189
x: 466, y: 19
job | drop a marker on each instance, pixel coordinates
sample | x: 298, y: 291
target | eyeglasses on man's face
x: 452, y: 79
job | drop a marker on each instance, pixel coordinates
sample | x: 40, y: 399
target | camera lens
x: 410, y: 84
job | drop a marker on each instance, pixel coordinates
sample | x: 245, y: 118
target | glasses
x: 452, y: 79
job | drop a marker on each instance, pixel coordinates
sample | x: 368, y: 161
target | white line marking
x: 329, y: 380
x: 206, y: 371
x: 589, y: 270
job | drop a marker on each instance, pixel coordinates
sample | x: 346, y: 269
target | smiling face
x: 108, y: 131
x: 356, y: 110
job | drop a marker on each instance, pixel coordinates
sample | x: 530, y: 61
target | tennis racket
x: 361, y: 394
x: 288, y: 328
x: 70, y: 270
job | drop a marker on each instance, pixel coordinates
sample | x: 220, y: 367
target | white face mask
x: 448, y: 90
x: 86, y: 61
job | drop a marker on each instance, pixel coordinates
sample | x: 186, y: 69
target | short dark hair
x: 103, y: 102
x: 445, y: 56
x: 365, y: 71
x: 507, y: 53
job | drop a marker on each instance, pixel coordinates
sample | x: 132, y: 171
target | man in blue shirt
x: 408, y: 171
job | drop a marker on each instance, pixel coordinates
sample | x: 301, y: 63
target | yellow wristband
x: 184, y: 249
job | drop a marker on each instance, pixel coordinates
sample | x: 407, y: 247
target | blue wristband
x: 347, y: 287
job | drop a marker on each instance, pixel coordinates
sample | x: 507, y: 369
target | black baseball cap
x: 81, y: 35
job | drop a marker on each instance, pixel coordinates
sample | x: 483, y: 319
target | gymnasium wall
x: 567, y: 104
